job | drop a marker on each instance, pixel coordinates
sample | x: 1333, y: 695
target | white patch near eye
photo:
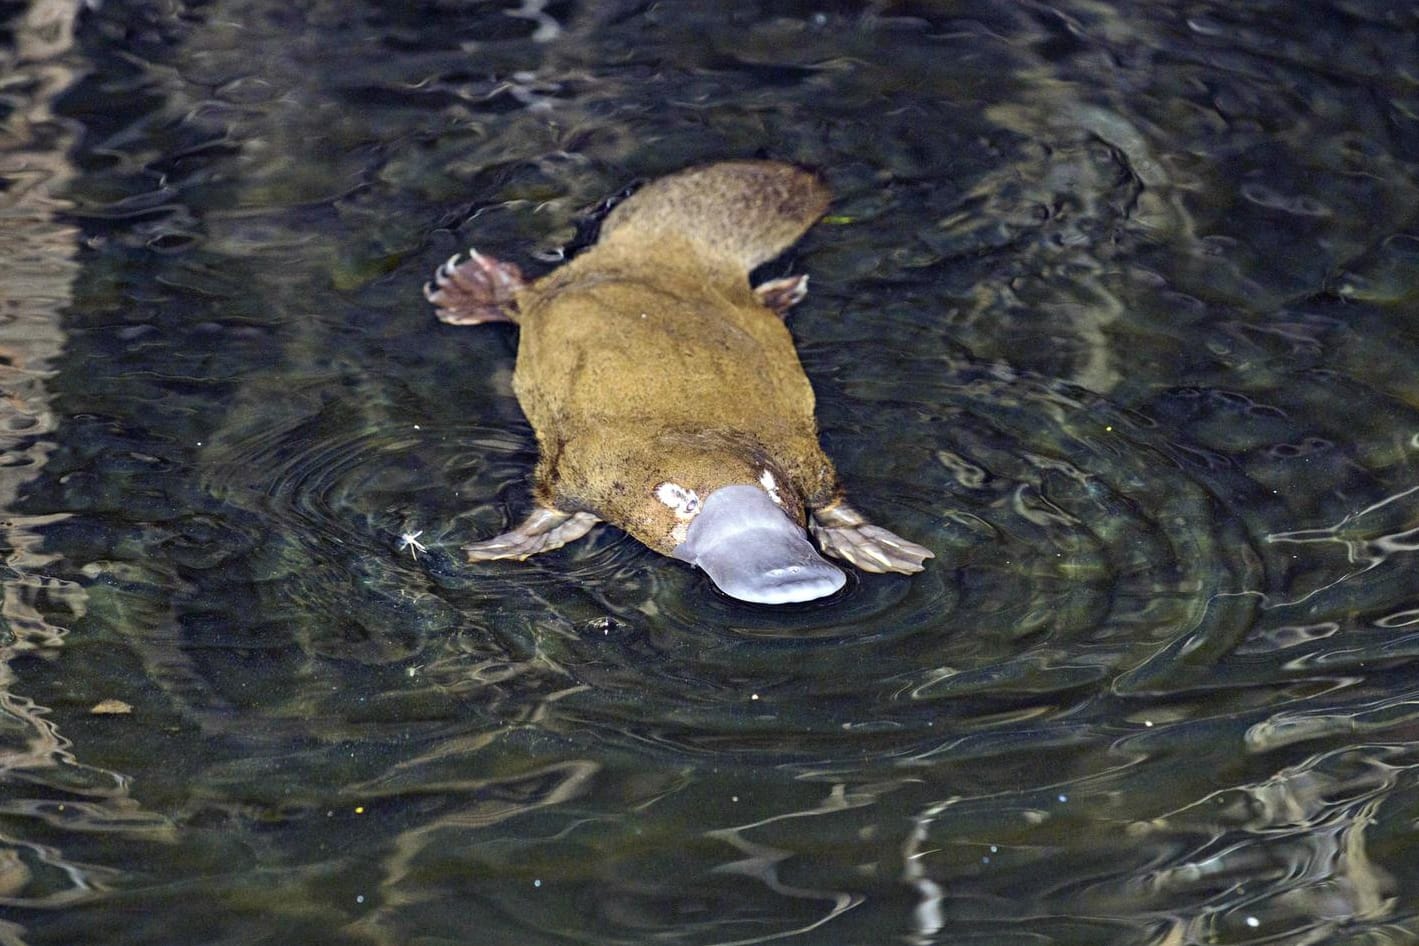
x: 770, y: 486
x: 684, y: 501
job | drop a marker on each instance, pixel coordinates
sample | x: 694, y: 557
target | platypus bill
x: 666, y: 394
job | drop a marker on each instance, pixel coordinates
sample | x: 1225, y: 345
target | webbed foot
x: 544, y: 530
x: 842, y: 531
x: 480, y: 290
x: 780, y: 295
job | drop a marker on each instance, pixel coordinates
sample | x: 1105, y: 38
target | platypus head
x: 750, y: 547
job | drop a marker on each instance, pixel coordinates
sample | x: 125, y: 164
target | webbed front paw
x: 842, y: 531
x: 544, y: 530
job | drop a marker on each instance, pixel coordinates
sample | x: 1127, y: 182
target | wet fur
x: 653, y: 373
x: 649, y: 358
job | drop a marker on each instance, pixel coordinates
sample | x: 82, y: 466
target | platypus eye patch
x: 770, y: 485
x: 684, y: 501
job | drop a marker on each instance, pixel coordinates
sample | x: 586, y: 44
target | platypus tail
x: 746, y: 212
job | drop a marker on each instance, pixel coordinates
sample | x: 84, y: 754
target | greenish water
x: 1115, y: 311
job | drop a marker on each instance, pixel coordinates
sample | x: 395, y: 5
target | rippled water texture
x: 1115, y: 311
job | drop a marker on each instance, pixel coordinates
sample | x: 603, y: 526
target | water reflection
x: 1112, y: 312
x: 53, y: 798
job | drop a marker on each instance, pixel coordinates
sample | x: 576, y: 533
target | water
x: 1114, y: 311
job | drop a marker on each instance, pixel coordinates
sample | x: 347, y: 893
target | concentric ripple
x: 1081, y: 552
x: 331, y: 585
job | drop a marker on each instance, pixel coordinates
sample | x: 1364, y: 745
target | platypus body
x: 666, y: 394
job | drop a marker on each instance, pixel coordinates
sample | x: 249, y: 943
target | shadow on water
x: 1112, y: 311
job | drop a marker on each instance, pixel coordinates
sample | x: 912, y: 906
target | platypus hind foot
x: 480, y: 290
x: 780, y: 295
x: 842, y: 531
x: 544, y: 530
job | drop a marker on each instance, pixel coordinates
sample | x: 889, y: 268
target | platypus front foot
x: 480, y: 290
x: 780, y: 295
x: 544, y: 530
x: 842, y: 531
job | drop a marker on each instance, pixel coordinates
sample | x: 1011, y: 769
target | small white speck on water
x: 537, y: 883
x: 1253, y: 922
x: 1147, y: 724
x: 360, y: 898
x: 1063, y: 799
x: 734, y: 798
x: 410, y: 541
x: 994, y: 849
x: 417, y: 427
x: 753, y: 696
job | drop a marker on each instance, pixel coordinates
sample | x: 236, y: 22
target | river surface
x: 1115, y: 310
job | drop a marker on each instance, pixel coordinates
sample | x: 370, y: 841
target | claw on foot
x: 780, y: 295
x: 481, y: 289
x: 842, y: 531
x: 544, y: 530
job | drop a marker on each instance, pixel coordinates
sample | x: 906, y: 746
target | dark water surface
x: 1115, y: 311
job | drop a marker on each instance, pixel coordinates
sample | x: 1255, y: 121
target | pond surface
x: 1115, y: 310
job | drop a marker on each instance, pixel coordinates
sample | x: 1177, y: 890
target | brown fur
x: 648, y: 359
x: 654, y: 375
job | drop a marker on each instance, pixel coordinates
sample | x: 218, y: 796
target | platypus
x: 666, y: 394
